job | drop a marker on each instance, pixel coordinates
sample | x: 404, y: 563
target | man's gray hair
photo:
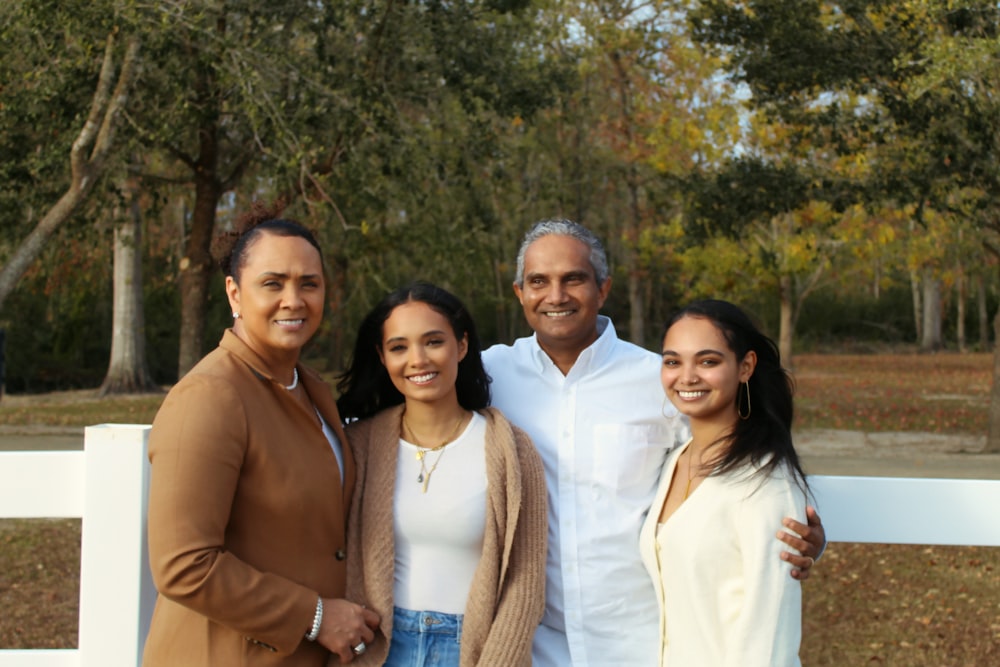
x: 562, y: 227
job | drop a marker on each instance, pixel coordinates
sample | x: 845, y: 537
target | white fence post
x: 116, y: 588
x: 106, y: 485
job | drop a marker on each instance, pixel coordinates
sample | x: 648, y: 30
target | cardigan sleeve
x: 768, y: 629
x: 197, y: 449
x: 521, y: 600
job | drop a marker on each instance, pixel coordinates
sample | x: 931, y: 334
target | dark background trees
x: 830, y: 165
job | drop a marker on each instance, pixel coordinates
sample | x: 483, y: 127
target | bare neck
x: 433, y: 423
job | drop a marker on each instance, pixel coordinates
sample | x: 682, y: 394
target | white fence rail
x: 106, y: 485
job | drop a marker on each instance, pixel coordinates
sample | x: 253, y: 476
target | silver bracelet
x: 317, y: 621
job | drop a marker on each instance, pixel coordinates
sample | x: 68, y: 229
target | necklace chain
x: 295, y: 380
x: 424, y: 477
x: 691, y: 476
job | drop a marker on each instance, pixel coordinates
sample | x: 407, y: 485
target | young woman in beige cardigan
x: 447, y: 535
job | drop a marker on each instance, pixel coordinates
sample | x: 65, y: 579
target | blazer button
x: 340, y: 555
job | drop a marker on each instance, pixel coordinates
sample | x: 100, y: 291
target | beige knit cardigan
x: 507, y: 596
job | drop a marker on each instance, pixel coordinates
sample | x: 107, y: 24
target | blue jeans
x: 424, y: 639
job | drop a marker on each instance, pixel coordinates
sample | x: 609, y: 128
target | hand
x: 344, y: 626
x: 807, y: 540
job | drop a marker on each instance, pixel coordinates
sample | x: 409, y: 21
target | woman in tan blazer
x: 252, y: 478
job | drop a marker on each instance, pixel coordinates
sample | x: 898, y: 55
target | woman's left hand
x: 809, y: 540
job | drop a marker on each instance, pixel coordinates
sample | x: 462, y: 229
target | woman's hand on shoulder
x: 346, y: 626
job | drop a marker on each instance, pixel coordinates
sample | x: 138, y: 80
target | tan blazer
x: 247, y: 515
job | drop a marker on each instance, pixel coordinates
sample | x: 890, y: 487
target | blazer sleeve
x: 522, y: 596
x: 197, y: 449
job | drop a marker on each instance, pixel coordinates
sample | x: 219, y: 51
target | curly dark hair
x: 230, y: 249
x: 366, y: 388
x: 764, y: 437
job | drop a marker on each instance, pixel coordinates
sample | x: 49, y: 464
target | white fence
x: 106, y: 485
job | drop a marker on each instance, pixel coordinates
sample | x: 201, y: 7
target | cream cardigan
x: 507, y: 597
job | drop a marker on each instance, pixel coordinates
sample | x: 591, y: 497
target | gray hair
x: 562, y: 227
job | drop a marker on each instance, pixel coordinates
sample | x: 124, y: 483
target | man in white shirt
x: 594, y: 408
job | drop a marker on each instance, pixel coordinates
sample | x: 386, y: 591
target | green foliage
x: 54, y: 51
x: 58, y: 322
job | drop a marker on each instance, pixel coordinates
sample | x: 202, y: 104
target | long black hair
x: 764, y: 436
x: 366, y: 388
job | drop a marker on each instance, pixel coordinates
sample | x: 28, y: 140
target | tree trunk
x: 196, y: 270
x: 128, y: 371
x: 786, y: 325
x: 196, y: 266
x: 637, y: 310
x: 931, y: 339
x: 87, y: 158
x: 960, y: 307
x: 918, y: 311
x: 993, y: 439
x: 984, y: 318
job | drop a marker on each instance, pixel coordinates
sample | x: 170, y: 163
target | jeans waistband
x: 407, y: 620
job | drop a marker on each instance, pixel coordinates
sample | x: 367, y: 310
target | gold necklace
x: 687, y: 489
x: 425, y: 474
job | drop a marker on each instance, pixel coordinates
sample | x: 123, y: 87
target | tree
x: 929, y: 72
x: 648, y: 111
x: 128, y: 371
x: 88, y: 156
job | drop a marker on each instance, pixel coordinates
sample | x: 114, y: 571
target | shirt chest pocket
x: 627, y: 458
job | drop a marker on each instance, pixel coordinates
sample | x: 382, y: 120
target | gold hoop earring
x: 746, y: 416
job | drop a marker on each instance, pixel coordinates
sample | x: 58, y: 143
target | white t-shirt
x: 439, y: 534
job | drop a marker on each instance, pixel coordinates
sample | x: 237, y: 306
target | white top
x: 726, y: 598
x: 439, y: 534
x: 338, y: 449
x: 603, y: 439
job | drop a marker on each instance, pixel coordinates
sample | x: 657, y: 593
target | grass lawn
x: 911, y: 606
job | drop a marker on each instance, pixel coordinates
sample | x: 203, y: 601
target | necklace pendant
x: 420, y: 478
x: 420, y: 454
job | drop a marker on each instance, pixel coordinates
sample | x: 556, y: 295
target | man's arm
x: 809, y: 540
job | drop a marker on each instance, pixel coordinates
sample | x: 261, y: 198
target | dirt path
x: 830, y: 452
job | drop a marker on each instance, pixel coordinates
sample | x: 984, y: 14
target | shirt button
x: 340, y: 555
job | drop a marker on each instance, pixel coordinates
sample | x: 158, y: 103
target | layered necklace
x: 424, y: 478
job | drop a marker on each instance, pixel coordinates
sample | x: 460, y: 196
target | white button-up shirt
x: 603, y: 437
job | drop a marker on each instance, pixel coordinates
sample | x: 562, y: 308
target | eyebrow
x: 700, y: 353
x: 278, y: 274
x: 433, y: 332
x: 576, y: 273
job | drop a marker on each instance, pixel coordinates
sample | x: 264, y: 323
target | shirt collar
x: 592, y: 356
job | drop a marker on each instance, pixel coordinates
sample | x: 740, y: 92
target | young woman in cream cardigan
x: 708, y: 542
x: 447, y: 535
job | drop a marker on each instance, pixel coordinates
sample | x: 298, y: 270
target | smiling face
x: 560, y: 295
x: 279, y: 297
x: 701, y: 374
x: 421, y: 353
